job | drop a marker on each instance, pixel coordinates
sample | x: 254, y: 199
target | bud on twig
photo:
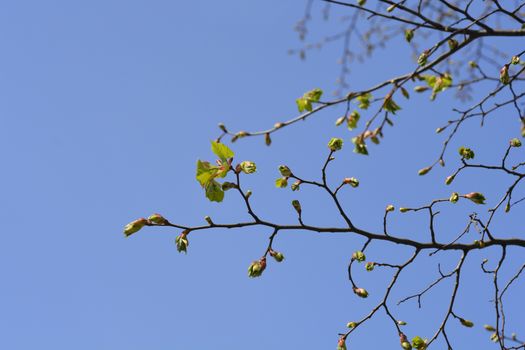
x: 157, y: 219
x: 515, y: 142
x: 360, y: 292
x: 504, y: 75
x: 295, y: 185
x: 454, y: 197
x: 390, y: 207
x: 257, y: 267
x: 134, y: 226
x: 248, y: 167
x: 352, y: 181
x: 297, y: 206
x: 359, y: 256
x: 278, y: 256
x: 424, y: 171
x: 335, y: 144
x: 285, y: 171
x: 208, y: 220
x: 476, y: 197
x: 182, y: 242
x: 449, y: 179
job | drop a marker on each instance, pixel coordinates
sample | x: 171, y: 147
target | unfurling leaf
x: 335, y: 144
x: 134, y: 226
x: 476, y: 197
x: 257, y: 267
x: 281, y: 182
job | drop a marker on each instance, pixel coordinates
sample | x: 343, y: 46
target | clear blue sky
x: 105, y: 107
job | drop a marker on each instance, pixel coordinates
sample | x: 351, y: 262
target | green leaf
x: 303, y: 104
x: 221, y: 150
x: 313, y: 95
x: 214, y: 191
x: 364, y: 100
x: 281, y: 182
x: 205, y: 172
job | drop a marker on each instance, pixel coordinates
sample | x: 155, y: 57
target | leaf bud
x: 515, y: 60
x: 341, y: 343
x: 418, y: 343
x: 472, y: 64
x: 157, y: 219
x: 248, y: 194
x: 257, y: 268
x: 340, y: 120
x: 134, y: 226
x: 504, y: 75
x: 404, y: 210
x: 208, y: 220
x: 401, y: 323
x: 370, y: 266
x: 454, y: 197
x: 360, y: 292
x: 449, y: 179
x: 424, y: 170
x: 285, y: 171
x: 466, y: 323
x: 297, y: 206
x: 452, y: 44
x: 278, y: 256
x: 352, y: 181
x: 409, y: 34
x: 422, y: 59
x: 489, y: 328
x: 351, y: 324
x: 278, y: 125
x: 296, y: 185
x: 476, y: 197
x: 267, y: 139
x: 390, y: 207
x: 361, y: 2
x: 421, y: 88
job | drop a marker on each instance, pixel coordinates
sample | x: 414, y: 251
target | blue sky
x: 106, y: 106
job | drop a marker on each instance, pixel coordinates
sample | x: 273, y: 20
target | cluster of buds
x: 257, y: 267
x: 278, y: 256
x: 359, y: 256
x: 182, y: 242
x: 335, y: 144
x: 247, y: 167
x: 360, y: 292
x: 476, y: 197
x: 352, y: 181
